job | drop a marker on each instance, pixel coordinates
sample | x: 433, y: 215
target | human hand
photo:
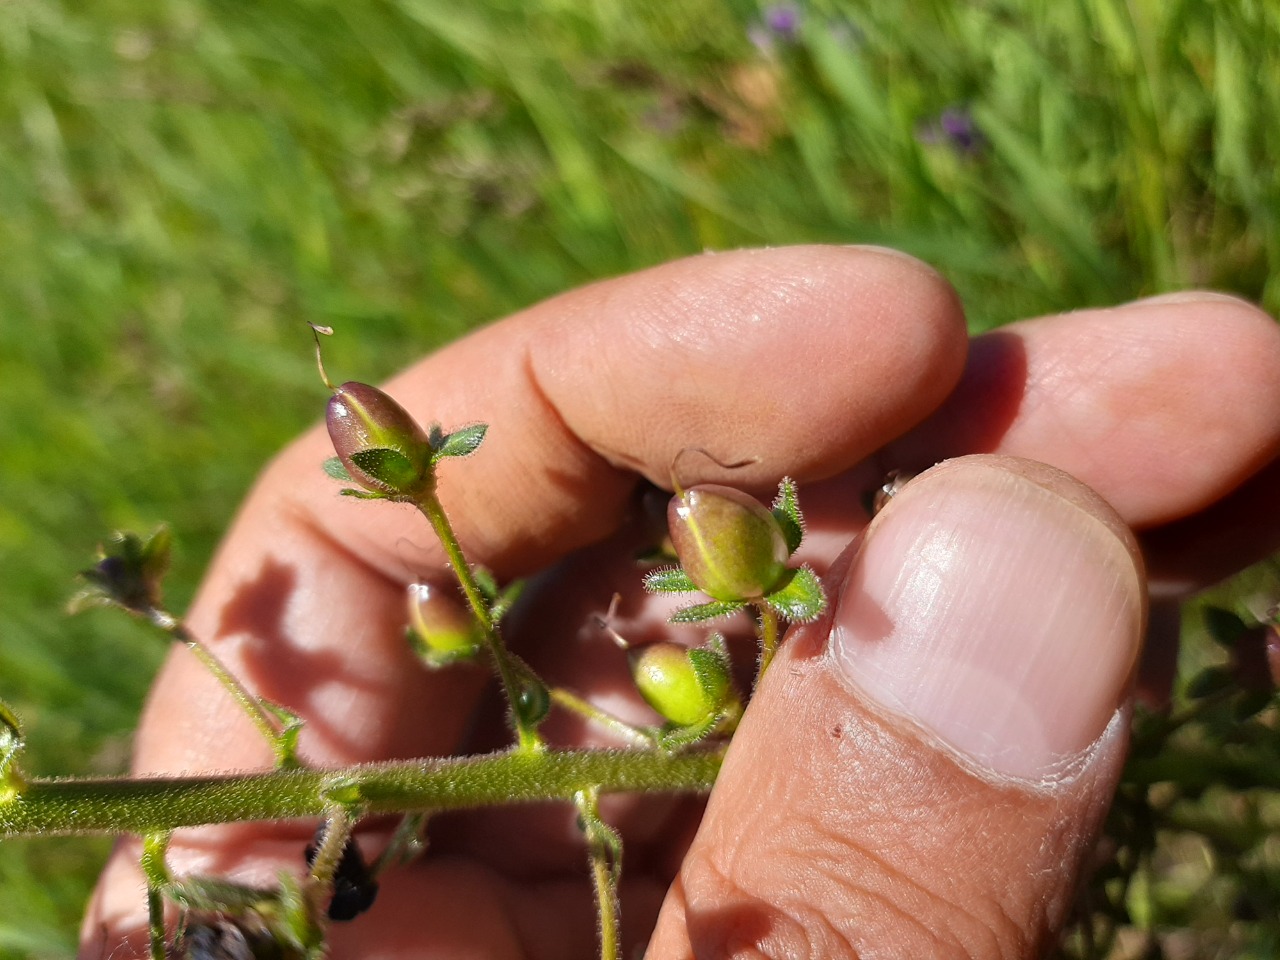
x: 923, y: 771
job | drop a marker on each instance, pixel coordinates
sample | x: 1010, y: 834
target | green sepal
x: 668, y: 580
x: 1224, y: 626
x: 711, y: 668
x: 11, y: 744
x: 786, y: 508
x: 672, y: 738
x: 216, y: 895
x: 388, y: 466
x: 800, y: 599
x: 1250, y: 703
x: 1209, y: 681
x: 701, y: 612
x: 334, y: 468
x: 439, y: 659
x: 358, y: 494
x: 460, y: 443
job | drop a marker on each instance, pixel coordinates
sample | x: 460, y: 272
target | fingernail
x: 997, y: 610
x: 1187, y: 296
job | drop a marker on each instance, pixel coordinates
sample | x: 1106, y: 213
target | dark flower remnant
x: 779, y: 24
x: 954, y: 127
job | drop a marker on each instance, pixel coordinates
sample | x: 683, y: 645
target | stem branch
x: 147, y: 805
x: 507, y: 669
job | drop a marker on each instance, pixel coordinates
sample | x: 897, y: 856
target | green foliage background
x: 183, y: 182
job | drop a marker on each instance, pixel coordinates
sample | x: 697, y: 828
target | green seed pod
x: 685, y: 686
x: 728, y: 543
x: 533, y: 701
x: 441, y: 629
x: 382, y: 447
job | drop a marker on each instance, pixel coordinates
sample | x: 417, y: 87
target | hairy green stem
x: 148, y: 805
x: 604, y: 852
x: 508, y: 672
x: 250, y: 704
x: 590, y: 712
x: 156, y: 871
x: 337, y: 830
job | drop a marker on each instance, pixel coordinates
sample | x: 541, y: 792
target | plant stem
x: 337, y: 830
x: 156, y: 870
x: 251, y: 705
x: 604, y: 852
x: 508, y: 672
x: 147, y: 805
x: 590, y: 712
x: 405, y: 844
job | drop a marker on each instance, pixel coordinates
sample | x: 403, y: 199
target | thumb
x: 922, y: 773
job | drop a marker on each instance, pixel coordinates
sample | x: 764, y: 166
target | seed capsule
x: 728, y: 543
x: 441, y: 629
x: 683, y: 687
x: 381, y: 445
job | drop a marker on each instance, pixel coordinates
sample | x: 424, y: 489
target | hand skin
x: 923, y: 772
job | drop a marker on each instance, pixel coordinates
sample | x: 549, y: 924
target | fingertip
x: 940, y: 804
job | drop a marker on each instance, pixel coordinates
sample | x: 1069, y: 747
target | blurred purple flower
x: 783, y: 20
x: 780, y: 23
x: 955, y: 128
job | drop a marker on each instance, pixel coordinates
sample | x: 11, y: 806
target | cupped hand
x: 922, y: 772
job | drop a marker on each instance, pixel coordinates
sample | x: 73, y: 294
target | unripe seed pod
x: 728, y: 543
x: 441, y: 629
x: 381, y: 445
x: 681, y: 690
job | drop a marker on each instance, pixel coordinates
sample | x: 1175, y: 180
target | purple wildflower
x: 780, y: 23
x: 783, y: 20
x: 955, y: 128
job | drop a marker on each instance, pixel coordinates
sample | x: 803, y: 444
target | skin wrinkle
x: 529, y: 365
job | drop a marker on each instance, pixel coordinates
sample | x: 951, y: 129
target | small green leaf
x: 214, y: 894
x: 486, y: 582
x: 1224, y: 626
x: 786, y: 508
x: 390, y: 467
x: 334, y: 468
x: 1250, y: 703
x: 462, y: 442
x: 505, y: 600
x: 701, y: 612
x: 1209, y: 681
x: 364, y: 494
x: 286, y: 742
x: 801, y: 599
x: 668, y: 580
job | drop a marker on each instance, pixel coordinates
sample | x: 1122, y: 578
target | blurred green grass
x: 182, y: 183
